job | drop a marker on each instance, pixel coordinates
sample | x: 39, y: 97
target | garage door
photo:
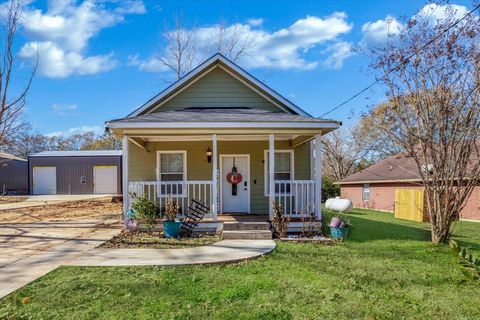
x: 105, y: 179
x: 44, y: 180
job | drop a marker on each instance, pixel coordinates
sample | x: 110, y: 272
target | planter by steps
x: 171, y: 229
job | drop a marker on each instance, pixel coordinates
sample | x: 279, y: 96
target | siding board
x: 221, y: 90
x: 142, y: 163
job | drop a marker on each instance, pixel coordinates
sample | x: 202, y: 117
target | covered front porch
x: 229, y: 173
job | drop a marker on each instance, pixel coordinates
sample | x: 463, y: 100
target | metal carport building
x: 75, y: 172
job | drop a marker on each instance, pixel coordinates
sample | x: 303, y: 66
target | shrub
x: 469, y: 264
x: 280, y: 221
x: 145, y: 210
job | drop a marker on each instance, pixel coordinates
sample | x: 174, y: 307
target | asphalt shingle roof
x: 395, y: 168
x: 219, y: 115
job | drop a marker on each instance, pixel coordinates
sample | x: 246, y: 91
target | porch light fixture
x: 209, y: 155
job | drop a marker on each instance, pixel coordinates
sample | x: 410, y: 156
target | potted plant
x: 339, y: 228
x: 171, y: 227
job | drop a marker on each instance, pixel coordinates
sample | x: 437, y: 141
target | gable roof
x: 397, y: 168
x: 218, y: 60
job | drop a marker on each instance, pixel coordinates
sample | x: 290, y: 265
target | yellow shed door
x: 409, y: 204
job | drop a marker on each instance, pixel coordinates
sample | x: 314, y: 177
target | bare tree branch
x: 11, y: 107
x: 433, y: 109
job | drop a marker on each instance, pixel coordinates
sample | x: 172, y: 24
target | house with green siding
x: 221, y: 137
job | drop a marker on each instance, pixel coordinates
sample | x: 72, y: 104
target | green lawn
x: 387, y: 270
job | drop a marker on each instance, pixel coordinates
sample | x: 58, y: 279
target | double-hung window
x: 283, y: 170
x: 366, y: 192
x: 171, y: 169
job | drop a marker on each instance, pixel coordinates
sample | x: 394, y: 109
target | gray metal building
x: 75, y: 172
x: 13, y: 175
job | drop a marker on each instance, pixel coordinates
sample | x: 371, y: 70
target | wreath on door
x: 234, y: 177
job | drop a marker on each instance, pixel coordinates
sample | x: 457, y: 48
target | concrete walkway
x: 41, y: 200
x: 225, y: 251
x: 15, y: 273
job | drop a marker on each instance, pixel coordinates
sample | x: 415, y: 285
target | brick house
x: 374, y: 187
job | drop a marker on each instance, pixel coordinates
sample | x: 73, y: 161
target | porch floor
x: 239, y: 218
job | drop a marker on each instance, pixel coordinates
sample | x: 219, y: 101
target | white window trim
x: 363, y: 192
x: 184, y: 152
x: 265, y: 169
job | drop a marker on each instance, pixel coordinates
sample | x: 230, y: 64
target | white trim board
x: 265, y: 169
x: 185, y: 177
x: 213, y: 62
x: 220, y: 193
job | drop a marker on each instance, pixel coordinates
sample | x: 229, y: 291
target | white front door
x: 105, y: 179
x: 44, y: 180
x: 235, y: 197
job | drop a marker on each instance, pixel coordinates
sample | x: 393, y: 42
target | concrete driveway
x: 34, y: 242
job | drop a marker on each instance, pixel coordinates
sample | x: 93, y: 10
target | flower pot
x: 171, y: 229
x: 335, y: 222
x: 339, y: 233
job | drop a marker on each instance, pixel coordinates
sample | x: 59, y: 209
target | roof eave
x: 182, y: 125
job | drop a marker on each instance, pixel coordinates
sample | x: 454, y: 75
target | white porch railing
x: 296, y: 196
x: 182, y: 192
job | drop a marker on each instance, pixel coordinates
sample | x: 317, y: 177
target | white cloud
x: 338, y: 53
x: 77, y: 130
x: 281, y: 49
x: 378, y: 32
x: 57, y: 63
x: 63, y: 109
x: 62, y: 32
x: 255, y: 22
x: 153, y: 64
x: 131, y: 7
x: 436, y: 13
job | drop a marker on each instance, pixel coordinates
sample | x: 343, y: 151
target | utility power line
x: 404, y: 60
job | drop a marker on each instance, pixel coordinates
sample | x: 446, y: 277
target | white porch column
x: 126, y: 200
x: 271, y: 172
x: 214, y: 178
x: 318, y: 176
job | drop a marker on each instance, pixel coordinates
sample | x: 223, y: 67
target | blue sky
x: 99, y: 60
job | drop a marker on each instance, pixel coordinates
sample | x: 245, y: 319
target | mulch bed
x: 155, y: 240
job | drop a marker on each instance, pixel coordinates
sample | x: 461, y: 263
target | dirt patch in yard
x: 156, y: 240
x: 103, y: 208
x: 12, y: 199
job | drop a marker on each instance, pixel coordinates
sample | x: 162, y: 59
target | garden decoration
x: 171, y: 227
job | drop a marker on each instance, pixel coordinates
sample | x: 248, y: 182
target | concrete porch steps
x: 246, y: 230
x: 230, y: 226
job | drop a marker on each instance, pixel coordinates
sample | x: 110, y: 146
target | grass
x: 156, y: 241
x: 386, y: 270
